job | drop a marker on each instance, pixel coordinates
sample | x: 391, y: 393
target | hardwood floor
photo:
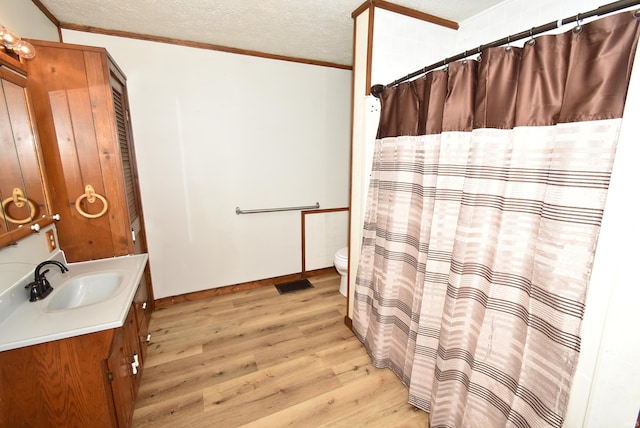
x: 260, y: 359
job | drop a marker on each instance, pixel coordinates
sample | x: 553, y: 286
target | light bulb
x: 24, y: 49
x: 9, y: 38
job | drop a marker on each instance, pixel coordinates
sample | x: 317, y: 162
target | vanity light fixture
x: 13, y: 42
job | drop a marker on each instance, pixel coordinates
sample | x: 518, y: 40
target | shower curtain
x: 487, y: 191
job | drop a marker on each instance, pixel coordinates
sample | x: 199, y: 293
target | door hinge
x: 110, y: 375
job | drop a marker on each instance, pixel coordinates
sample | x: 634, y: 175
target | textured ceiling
x: 316, y: 30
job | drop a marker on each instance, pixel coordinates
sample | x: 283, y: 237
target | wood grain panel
x: 79, y: 167
x: 108, y: 150
x: 427, y: 17
x: 49, y: 385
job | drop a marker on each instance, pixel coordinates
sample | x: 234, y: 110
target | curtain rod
x: 376, y: 90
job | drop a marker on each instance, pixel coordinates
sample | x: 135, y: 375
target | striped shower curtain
x: 487, y: 192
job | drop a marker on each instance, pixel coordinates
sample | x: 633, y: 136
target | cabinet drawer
x: 142, y: 305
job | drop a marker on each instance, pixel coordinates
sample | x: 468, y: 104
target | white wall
x: 610, y: 344
x: 402, y: 44
x: 325, y: 234
x: 25, y: 19
x: 605, y: 391
x: 214, y: 131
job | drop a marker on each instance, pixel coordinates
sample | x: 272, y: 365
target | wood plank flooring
x: 260, y: 359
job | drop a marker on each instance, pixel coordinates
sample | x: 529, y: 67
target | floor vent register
x: 290, y: 287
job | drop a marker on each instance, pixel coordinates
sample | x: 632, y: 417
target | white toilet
x: 341, y: 262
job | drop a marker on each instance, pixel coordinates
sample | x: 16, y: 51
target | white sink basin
x: 85, y: 290
x: 93, y: 296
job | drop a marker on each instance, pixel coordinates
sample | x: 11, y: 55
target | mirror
x: 22, y: 190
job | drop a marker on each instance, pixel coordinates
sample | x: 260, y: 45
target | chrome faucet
x: 40, y: 287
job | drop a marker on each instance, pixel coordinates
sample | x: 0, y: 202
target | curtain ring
x: 636, y: 13
x: 465, y: 60
x: 508, y: 47
x: 531, y: 41
x: 479, y: 52
x: 578, y: 28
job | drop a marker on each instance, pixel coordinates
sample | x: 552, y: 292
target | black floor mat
x: 290, y: 287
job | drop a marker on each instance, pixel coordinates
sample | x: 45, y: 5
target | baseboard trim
x: 348, y: 322
x: 220, y: 291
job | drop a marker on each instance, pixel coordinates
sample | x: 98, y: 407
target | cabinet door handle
x: 144, y: 306
x: 148, y: 338
x: 91, y: 195
x: 135, y: 360
x: 19, y: 200
x: 134, y: 368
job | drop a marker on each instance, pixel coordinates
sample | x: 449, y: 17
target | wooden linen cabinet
x: 82, y: 116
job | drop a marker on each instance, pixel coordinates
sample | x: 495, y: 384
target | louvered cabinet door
x: 127, y: 155
x: 124, y: 132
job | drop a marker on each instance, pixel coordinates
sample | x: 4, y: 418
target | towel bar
x: 269, y: 210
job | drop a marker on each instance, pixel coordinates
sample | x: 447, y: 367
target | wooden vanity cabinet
x: 90, y: 380
x: 124, y: 370
x: 61, y: 383
x: 81, y: 112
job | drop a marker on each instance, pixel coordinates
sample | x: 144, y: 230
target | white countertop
x: 24, y: 323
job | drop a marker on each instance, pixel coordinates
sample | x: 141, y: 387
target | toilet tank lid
x: 343, y: 253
